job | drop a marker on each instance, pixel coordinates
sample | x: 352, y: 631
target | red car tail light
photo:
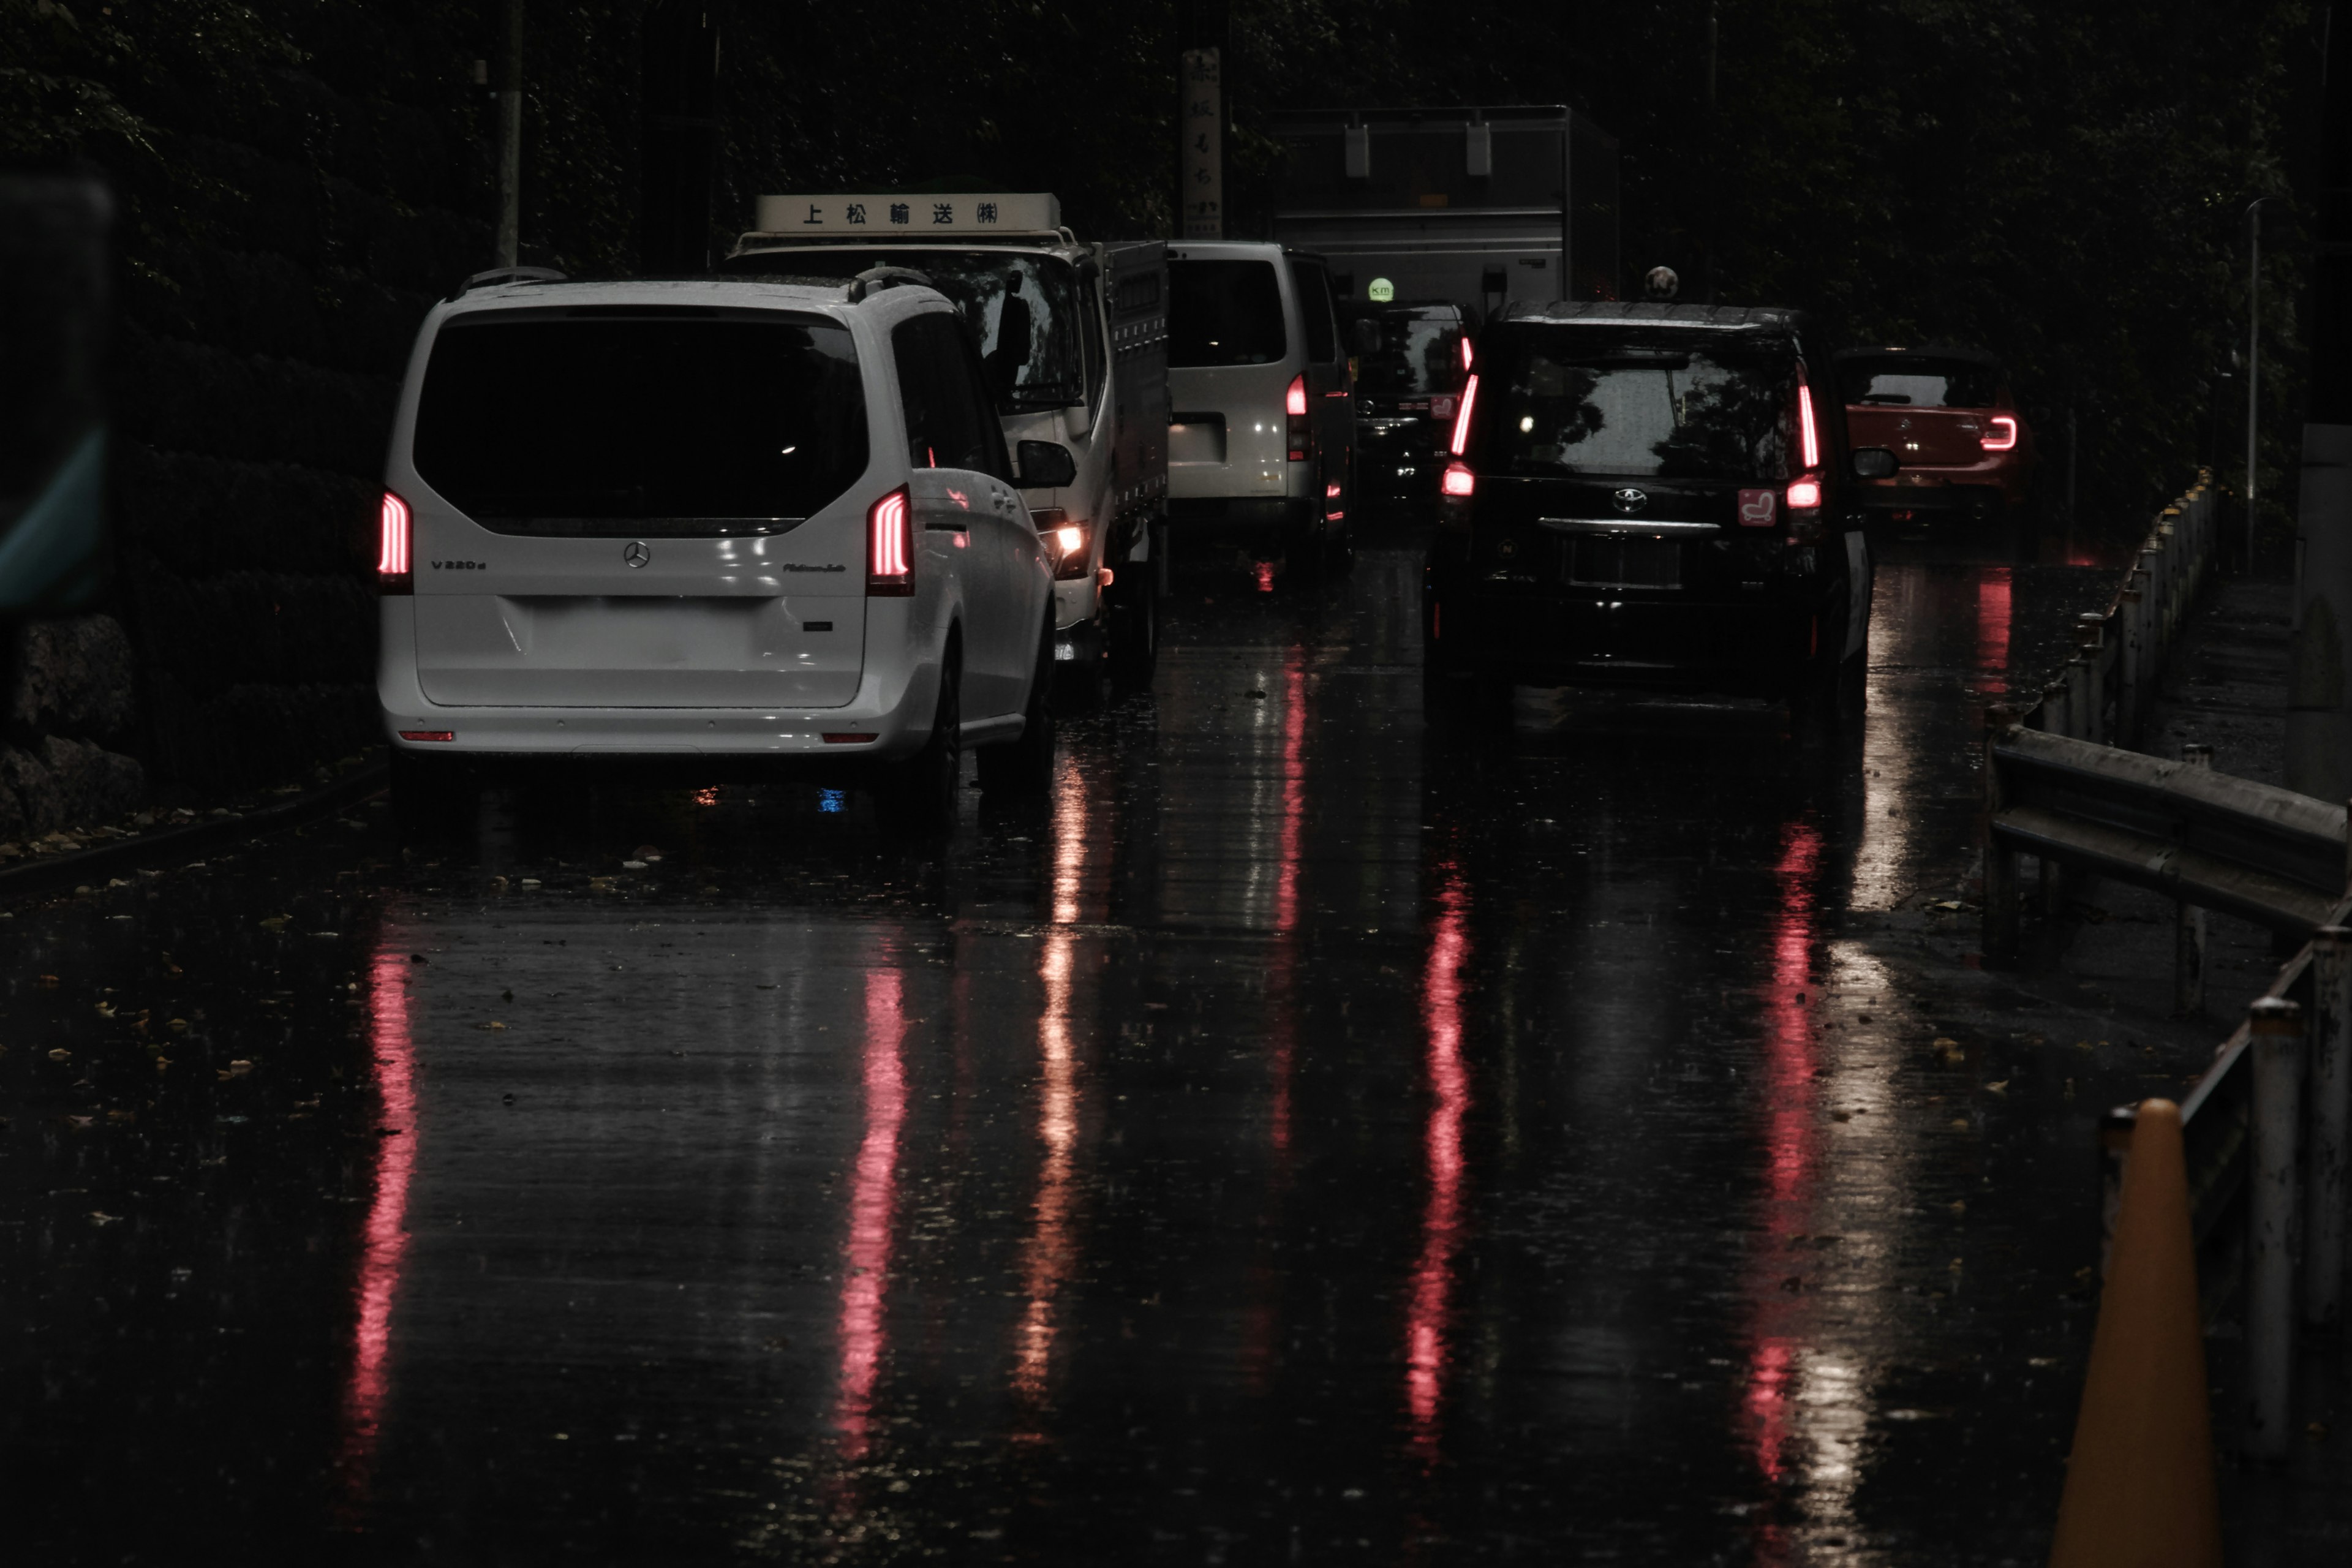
x: 1294, y: 402
x: 1466, y: 354
x: 1804, y: 494
x: 391, y: 554
x: 1458, y: 480
x: 890, y: 547
x: 428, y: 734
x: 2003, y: 437
x: 1461, y: 418
x: 1294, y: 406
x: 1807, y: 436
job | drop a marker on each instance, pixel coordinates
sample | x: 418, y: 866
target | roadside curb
x: 50, y: 872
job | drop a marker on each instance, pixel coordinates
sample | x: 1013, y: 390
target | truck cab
x: 1073, y: 338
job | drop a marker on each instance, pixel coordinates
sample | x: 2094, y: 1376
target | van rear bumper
x: 896, y: 712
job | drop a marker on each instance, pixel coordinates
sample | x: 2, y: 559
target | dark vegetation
x: 300, y: 179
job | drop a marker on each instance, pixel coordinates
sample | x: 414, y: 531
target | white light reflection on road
x: 1047, y: 1255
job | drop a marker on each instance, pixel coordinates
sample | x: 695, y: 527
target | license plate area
x: 1617, y: 561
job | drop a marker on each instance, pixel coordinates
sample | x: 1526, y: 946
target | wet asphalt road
x: 1316, y: 1134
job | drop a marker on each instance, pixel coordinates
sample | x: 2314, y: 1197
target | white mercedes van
x: 1261, y: 424
x: 683, y: 518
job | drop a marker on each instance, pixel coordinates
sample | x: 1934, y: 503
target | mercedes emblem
x: 1628, y: 500
x: 636, y: 553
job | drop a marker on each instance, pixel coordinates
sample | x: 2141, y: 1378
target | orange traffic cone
x: 2140, y: 1487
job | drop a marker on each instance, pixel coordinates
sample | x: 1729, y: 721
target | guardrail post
x: 2331, y: 1127
x: 2275, y: 1025
x: 2188, y: 924
x: 2000, y: 861
x: 2081, y: 710
x: 2160, y: 599
x: 2115, y: 1153
x: 2057, y: 710
x: 2090, y: 633
x: 2131, y: 616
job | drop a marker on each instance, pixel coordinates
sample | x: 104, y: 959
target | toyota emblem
x: 636, y: 553
x: 1628, y: 500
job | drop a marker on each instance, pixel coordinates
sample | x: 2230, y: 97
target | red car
x: 1950, y: 419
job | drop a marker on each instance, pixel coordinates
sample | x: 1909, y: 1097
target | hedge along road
x: 1311, y: 1134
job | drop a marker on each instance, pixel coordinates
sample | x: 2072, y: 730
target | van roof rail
x: 497, y: 275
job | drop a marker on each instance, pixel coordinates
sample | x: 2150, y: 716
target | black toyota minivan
x: 1652, y: 496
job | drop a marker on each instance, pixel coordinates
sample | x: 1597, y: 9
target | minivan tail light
x: 1808, y: 436
x: 1804, y: 494
x: 1465, y: 354
x: 1462, y: 416
x: 393, y: 546
x: 1294, y: 402
x: 890, y: 546
x: 1301, y: 435
x: 2003, y: 437
x: 1458, y: 480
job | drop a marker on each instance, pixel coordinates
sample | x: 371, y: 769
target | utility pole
x: 681, y: 140
x: 1714, y: 158
x: 2319, y: 649
x: 510, y: 140
x: 1201, y: 115
x: 2253, y: 358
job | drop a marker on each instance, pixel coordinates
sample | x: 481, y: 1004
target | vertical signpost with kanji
x: 1204, y: 160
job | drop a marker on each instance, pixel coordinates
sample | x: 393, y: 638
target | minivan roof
x: 1618, y: 311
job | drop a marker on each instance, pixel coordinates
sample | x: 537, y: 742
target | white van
x: 734, y: 517
x: 1261, y: 424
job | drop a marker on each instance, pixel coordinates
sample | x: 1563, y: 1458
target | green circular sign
x: 1381, y: 292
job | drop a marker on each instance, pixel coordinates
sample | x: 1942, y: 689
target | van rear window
x: 544, y: 421
x: 1224, y: 312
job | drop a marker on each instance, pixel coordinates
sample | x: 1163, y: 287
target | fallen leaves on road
x: 178, y: 1025
x: 275, y: 922
x: 1959, y: 1124
x: 100, y: 1217
x: 1998, y: 1086
x: 46, y: 982
x: 632, y: 864
x: 240, y: 1067
x: 61, y: 1055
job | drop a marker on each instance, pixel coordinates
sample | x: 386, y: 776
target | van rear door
x: 640, y: 506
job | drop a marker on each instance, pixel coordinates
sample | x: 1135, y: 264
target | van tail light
x: 890, y: 547
x: 1294, y: 402
x: 1459, y: 481
x: 1808, y: 436
x: 1462, y: 416
x: 1294, y: 408
x: 2003, y: 437
x: 393, y: 545
x: 1465, y: 355
x: 1804, y: 494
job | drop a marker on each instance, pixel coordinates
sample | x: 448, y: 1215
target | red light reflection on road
x: 1993, y: 612
x: 1047, y: 1255
x: 1285, y: 893
x: 385, y: 1238
x: 1792, y: 1151
x: 872, y: 1212
x: 1428, y: 1307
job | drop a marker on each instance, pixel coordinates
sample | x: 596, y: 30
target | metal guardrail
x: 2267, y: 1132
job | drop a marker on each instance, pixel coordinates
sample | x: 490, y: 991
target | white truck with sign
x: 1074, y: 338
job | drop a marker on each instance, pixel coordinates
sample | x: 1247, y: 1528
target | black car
x: 1407, y: 391
x: 1652, y: 496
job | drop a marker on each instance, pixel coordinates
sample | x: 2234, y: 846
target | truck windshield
x: 1421, y: 351
x: 1022, y: 309
x: 618, y: 419
x: 1912, y: 381
x: 1560, y: 401
x: 1224, y: 312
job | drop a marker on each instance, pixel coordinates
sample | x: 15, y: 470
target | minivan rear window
x: 1566, y: 400
x: 1910, y: 381
x: 1421, y: 351
x: 1224, y: 312
x: 544, y: 421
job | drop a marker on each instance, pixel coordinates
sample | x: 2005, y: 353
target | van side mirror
x: 1047, y: 465
x: 1363, y: 336
x: 1867, y: 462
